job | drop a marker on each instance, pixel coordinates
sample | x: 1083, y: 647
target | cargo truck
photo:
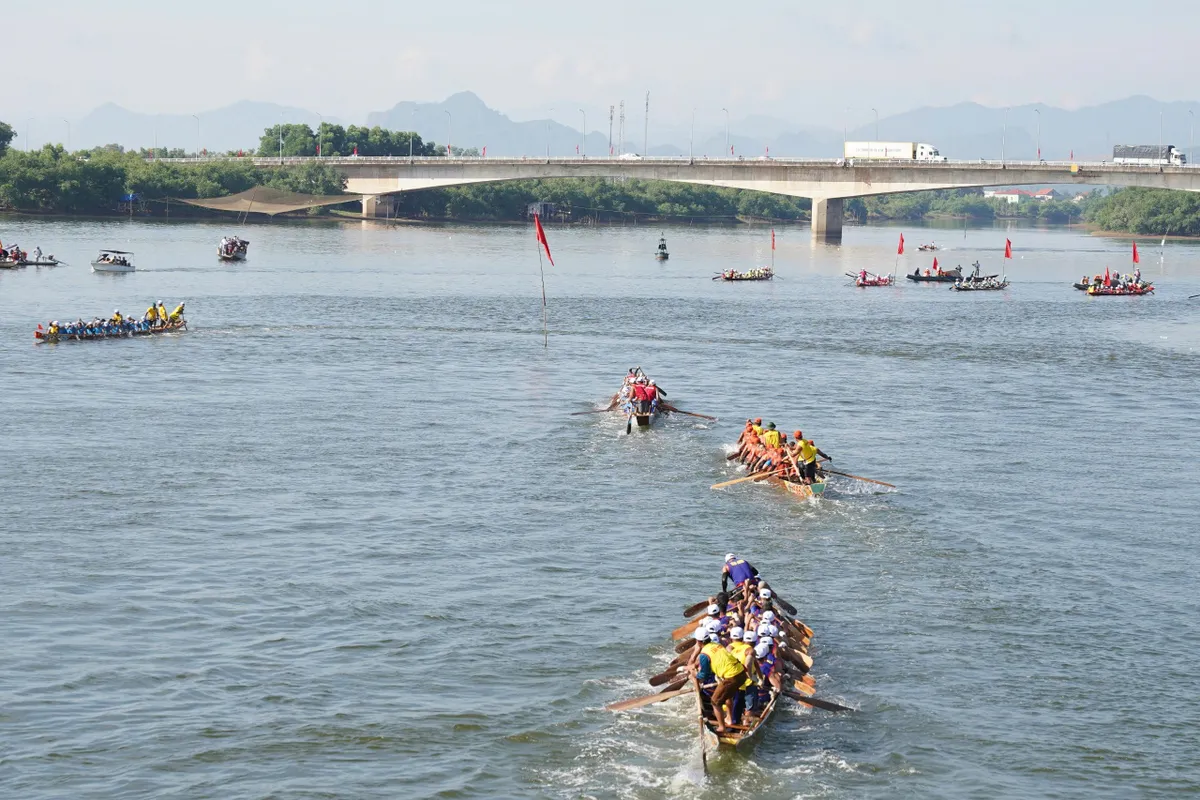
x: 1149, y: 155
x: 892, y: 151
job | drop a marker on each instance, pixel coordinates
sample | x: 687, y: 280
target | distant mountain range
x: 965, y: 130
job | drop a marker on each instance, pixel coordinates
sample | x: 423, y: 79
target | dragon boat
x: 67, y: 333
x: 757, y: 274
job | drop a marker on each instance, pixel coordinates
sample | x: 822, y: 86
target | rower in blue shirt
x: 737, y: 569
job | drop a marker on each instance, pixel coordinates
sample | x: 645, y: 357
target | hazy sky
x: 803, y: 61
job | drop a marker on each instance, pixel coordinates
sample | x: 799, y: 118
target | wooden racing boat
x: 942, y: 277
x: 757, y: 274
x: 741, y: 736
x: 800, y: 490
x: 1119, y: 291
x: 40, y: 335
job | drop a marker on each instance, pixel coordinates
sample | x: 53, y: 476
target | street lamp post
x: 320, y: 129
x: 197, y: 133
x: 1192, y: 137
x: 584, y: 113
x: 876, y: 112
x: 411, y: 134
x: 28, y: 122
x: 1004, y: 139
x: 1160, y: 115
x: 68, y: 134
x: 281, y: 138
x: 1038, y: 111
x: 449, y: 130
x: 726, y: 110
x: 692, y: 139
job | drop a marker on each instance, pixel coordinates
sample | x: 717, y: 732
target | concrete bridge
x: 827, y: 182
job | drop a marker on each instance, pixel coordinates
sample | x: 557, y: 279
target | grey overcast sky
x: 804, y: 61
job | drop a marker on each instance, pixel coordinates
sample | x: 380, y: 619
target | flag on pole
x: 1136, y: 258
x: 935, y: 266
x: 900, y: 249
x: 485, y: 151
x: 1107, y: 278
x: 1072, y: 154
x: 772, y: 238
x: 541, y: 237
x: 318, y: 148
x: 576, y: 149
x: 1039, y: 154
x: 1008, y: 248
x: 730, y: 149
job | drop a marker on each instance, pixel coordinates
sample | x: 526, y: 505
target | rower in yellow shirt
x: 807, y: 452
x: 770, y: 436
x: 176, y: 315
x: 731, y: 675
x: 152, y: 314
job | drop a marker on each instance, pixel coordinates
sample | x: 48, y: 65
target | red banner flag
x: 318, y: 148
x: 1008, y: 248
x: 1072, y: 155
x: 576, y: 149
x: 772, y: 238
x: 900, y: 249
x: 355, y: 149
x: 485, y: 151
x: 1107, y: 278
x: 1136, y: 258
x: 935, y: 266
x: 730, y: 149
x: 541, y: 237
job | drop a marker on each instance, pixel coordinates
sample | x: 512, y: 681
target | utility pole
x: 726, y: 110
x: 1192, y: 139
x: 581, y: 111
x: 1038, y: 111
x: 197, y: 134
x: 646, y: 132
x: 610, y: 121
x: 1004, y: 139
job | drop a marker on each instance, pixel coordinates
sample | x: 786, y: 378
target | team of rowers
x: 1116, y: 281
x: 13, y: 254
x: 767, y: 449
x: 740, y: 647
x: 155, y: 318
x: 638, y: 394
x: 756, y: 274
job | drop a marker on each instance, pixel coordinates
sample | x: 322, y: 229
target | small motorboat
x: 113, y: 261
x: 233, y: 248
x: 928, y: 248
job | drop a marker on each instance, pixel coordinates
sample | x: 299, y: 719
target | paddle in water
x: 672, y: 690
x: 858, y: 477
x: 814, y: 702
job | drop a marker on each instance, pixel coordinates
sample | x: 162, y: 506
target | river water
x: 344, y: 538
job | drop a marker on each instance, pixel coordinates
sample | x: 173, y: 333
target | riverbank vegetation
x: 1148, y: 211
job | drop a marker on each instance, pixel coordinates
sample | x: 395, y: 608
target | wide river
x: 345, y: 539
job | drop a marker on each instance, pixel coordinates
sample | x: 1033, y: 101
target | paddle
x: 664, y: 676
x: 629, y: 424
x: 693, y: 610
x: 754, y: 477
x: 859, y: 478
x: 672, y: 691
x: 593, y: 411
x: 686, y: 628
x: 683, y: 645
x: 815, y: 703
x: 675, y: 410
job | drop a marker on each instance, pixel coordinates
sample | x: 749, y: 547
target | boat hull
x: 99, y: 266
x: 933, y: 278
x: 10, y: 264
x: 710, y: 740
x: 1102, y: 292
x: 801, y: 490
x: 41, y: 336
x: 231, y: 256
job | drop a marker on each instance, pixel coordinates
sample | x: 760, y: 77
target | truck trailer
x: 1149, y: 155
x: 892, y: 151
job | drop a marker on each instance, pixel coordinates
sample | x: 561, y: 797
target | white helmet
x: 749, y: 637
x: 713, y: 610
x: 762, y: 649
x: 736, y: 633
x: 701, y: 633
x: 730, y: 557
x: 765, y: 594
x: 768, y: 616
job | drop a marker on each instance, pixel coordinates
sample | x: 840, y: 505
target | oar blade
x: 817, y: 703
x: 673, y: 690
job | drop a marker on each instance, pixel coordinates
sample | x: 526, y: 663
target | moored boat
x: 113, y: 261
x: 661, y: 253
x: 12, y: 263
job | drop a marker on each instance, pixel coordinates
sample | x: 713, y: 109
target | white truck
x: 892, y: 151
x: 1149, y: 155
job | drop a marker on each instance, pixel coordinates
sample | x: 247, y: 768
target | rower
x: 151, y: 314
x: 758, y: 428
x: 176, y: 315
x: 770, y: 436
x: 651, y: 392
x: 807, y: 456
x: 640, y: 398
x: 53, y: 331
x: 116, y: 317
x: 738, y: 570
x: 730, y: 675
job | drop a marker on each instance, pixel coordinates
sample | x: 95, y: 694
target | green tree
x: 6, y: 136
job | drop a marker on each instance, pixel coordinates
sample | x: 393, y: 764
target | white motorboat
x: 113, y: 261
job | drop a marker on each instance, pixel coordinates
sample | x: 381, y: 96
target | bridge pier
x: 377, y: 205
x: 827, y: 219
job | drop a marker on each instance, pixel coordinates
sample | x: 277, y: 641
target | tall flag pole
x: 899, y: 252
x: 541, y: 238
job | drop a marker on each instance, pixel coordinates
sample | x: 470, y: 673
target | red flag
x: 1008, y: 248
x: 485, y: 151
x: 610, y: 150
x: 541, y: 237
x: 318, y: 148
x: 1136, y: 258
x: 448, y: 152
x: 355, y: 149
x: 730, y: 149
x: 768, y: 150
x: 576, y: 149
x: 772, y: 238
x: 1107, y: 279
x: 900, y: 249
x: 1039, y: 154
x: 935, y: 264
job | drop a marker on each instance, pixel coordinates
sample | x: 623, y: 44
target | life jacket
x: 739, y: 571
x: 770, y: 438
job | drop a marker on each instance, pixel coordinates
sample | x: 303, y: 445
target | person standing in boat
x: 729, y: 675
x: 176, y: 315
x: 738, y: 570
x: 807, y: 456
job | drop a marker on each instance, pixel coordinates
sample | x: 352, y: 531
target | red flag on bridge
x: 1008, y: 248
x: 1072, y: 154
x: 541, y: 237
x: 485, y: 151
x: 355, y: 149
x: 318, y: 148
x: 1136, y: 258
x: 772, y: 238
x: 900, y: 249
x: 576, y: 149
